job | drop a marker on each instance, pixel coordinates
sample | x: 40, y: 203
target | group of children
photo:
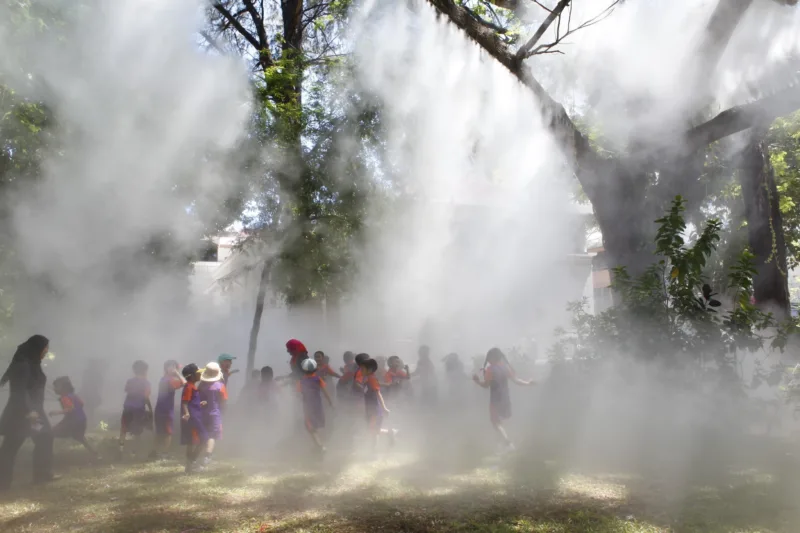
x: 362, y: 379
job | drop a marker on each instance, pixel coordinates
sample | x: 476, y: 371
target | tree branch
x: 554, y: 117
x: 236, y: 24
x: 529, y: 51
x: 264, y: 55
x: 742, y: 117
x: 522, y: 53
x: 491, y: 25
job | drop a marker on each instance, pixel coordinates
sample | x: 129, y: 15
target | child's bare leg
x: 167, y: 443
x: 86, y: 445
x: 502, y: 432
x: 317, y: 440
x: 210, y: 446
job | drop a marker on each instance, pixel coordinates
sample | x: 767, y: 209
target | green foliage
x: 671, y: 315
x: 784, y: 144
x: 312, y: 146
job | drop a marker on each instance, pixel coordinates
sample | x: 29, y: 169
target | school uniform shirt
x: 167, y: 387
x: 358, y: 383
x: 137, y: 392
x: 192, y: 431
x: 310, y: 388
x: 74, y: 422
x: 395, y: 377
x: 214, y: 394
x: 325, y: 371
x: 73, y: 406
x: 266, y: 392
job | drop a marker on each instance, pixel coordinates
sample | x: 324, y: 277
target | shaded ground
x: 401, y: 492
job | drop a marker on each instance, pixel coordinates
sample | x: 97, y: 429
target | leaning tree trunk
x: 256, y: 327
x: 764, y: 226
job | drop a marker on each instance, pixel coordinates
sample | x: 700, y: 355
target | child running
x: 73, y: 425
x: 496, y: 378
x: 137, y: 412
x: 358, y: 378
x: 164, y: 415
x: 267, y: 387
x: 324, y: 370
x: 374, y: 405
x: 396, y: 375
x: 193, y: 432
x: 348, y: 372
x: 213, y: 396
x: 312, y: 387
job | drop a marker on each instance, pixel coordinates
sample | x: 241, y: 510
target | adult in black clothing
x: 24, y: 414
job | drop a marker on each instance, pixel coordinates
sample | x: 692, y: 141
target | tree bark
x: 618, y: 188
x: 764, y: 226
x: 256, y: 327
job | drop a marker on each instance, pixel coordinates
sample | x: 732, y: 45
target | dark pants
x: 42, y: 456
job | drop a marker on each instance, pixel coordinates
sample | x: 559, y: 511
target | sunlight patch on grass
x: 15, y: 509
x: 587, y: 487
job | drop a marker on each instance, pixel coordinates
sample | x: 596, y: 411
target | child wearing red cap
x: 298, y: 353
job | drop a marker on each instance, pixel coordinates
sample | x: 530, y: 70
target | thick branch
x: 260, y: 29
x: 249, y: 37
x: 742, y: 117
x: 523, y: 52
x: 555, y: 114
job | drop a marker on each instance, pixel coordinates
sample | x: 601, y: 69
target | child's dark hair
x: 362, y: 358
x: 266, y: 372
x: 64, y: 384
x: 319, y: 353
x: 494, y: 355
x: 370, y: 365
x: 169, y: 365
x: 392, y: 359
x: 140, y: 367
x: 348, y: 357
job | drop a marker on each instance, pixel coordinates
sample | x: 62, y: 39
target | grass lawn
x: 395, y: 492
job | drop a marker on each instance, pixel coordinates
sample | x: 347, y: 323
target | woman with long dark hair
x: 24, y: 414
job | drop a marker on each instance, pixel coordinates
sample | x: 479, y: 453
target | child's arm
x: 482, y: 383
x: 333, y: 373
x: 180, y: 377
x: 522, y: 381
x: 185, y: 410
x: 327, y: 396
x: 223, y: 398
x: 383, y: 404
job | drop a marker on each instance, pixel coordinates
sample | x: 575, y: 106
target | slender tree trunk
x: 764, y: 226
x: 262, y: 294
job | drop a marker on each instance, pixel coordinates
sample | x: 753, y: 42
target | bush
x: 671, y: 316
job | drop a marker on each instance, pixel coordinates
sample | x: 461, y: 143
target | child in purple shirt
x: 137, y: 411
x: 164, y: 414
x: 193, y: 431
x: 73, y: 425
x: 213, y: 396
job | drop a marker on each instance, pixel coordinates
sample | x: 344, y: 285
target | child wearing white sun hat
x: 213, y: 396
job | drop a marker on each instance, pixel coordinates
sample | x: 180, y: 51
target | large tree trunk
x: 256, y: 327
x: 764, y: 226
